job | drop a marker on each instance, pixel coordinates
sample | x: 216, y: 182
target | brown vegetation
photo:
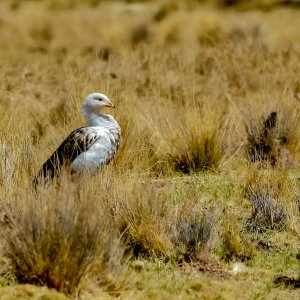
x: 207, y: 175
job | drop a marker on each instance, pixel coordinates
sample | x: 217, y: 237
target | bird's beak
x: 110, y: 105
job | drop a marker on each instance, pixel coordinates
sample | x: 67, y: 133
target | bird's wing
x: 79, y: 141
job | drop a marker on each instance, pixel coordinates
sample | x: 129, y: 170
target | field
x: 203, y: 198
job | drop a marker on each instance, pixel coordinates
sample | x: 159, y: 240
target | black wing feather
x: 79, y: 141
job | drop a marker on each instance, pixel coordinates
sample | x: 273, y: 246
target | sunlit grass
x: 184, y: 199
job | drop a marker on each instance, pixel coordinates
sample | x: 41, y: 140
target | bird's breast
x: 100, y: 153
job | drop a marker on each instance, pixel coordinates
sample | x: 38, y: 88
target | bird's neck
x: 92, y: 117
x: 96, y: 119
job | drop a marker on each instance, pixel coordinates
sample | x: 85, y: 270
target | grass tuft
x: 142, y: 218
x: 235, y: 245
x: 61, y: 239
x: 194, y: 233
x: 265, y: 214
x: 271, y: 196
x: 262, y: 140
x: 192, y: 140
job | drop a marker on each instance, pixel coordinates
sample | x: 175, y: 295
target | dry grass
x: 273, y: 199
x: 190, y: 140
x: 60, y: 238
x: 207, y: 100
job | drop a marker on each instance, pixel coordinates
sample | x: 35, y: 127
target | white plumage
x: 86, y: 148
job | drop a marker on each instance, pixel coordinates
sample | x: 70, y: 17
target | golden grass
x: 60, y: 237
x: 194, y: 86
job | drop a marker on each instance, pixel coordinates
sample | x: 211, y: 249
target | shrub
x: 139, y: 33
x: 266, y: 214
x: 262, y: 144
x: 194, y: 233
x: 266, y: 191
x: 60, y: 238
x: 274, y: 138
x: 190, y: 140
x: 142, y: 216
x: 192, y: 238
x: 234, y: 244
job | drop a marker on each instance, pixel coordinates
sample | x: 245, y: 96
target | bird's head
x: 96, y: 101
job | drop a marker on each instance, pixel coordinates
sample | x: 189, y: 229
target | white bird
x: 86, y: 148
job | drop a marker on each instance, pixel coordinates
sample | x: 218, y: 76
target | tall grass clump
x: 271, y: 196
x: 193, y: 236
x: 142, y: 215
x: 235, y: 245
x: 193, y: 231
x: 61, y: 238
x: 262, y: 145
x: 17, y: 150
x: 136, y: 153
x: 273, y: 135
x: 190, y: 137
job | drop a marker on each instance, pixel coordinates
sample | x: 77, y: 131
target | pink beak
x: 110, y: 105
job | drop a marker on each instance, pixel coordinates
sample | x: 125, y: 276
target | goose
x: 86, y: 148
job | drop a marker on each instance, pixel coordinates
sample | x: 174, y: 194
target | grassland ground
x: 202, y: 200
